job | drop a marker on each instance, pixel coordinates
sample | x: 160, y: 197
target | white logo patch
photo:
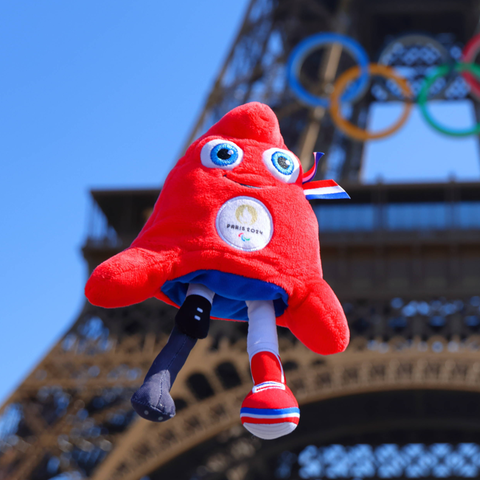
x: 245, y: 223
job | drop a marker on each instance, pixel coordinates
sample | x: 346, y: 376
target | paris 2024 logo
x: 245, y: 223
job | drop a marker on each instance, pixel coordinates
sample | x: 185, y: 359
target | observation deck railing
x: 398, y: 216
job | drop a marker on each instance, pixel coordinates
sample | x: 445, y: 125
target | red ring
x: 468, y: 56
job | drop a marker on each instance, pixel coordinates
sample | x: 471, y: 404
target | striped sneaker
x: 270, y: 410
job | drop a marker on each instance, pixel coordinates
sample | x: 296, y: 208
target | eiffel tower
x: 404, y: 259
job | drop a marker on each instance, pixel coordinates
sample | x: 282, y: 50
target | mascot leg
x: 152, y: 400
x: 270, y: 410
x: 193, y: 318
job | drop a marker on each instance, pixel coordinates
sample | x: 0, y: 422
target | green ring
x: 441, y: 71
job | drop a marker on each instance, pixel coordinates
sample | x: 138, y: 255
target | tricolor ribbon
x: 310, y: 175
x: 321, y: 189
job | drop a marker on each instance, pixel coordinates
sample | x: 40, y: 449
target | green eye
x: 282, y: 164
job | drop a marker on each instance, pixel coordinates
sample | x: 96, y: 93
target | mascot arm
x: 129, y: 277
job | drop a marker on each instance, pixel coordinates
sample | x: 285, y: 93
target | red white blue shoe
x: 270, y: 410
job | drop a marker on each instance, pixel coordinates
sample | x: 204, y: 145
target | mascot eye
x: 282, y: 164
x: 221, y: 154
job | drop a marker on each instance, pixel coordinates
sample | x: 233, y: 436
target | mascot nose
x: 255, y: 121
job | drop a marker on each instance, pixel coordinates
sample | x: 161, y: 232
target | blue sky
x: 419, y: 153
x: 103, y: 95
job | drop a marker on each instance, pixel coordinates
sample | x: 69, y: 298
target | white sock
x: 202, y: 290
x: 262, y: 328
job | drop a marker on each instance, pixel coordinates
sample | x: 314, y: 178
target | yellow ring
x: 352, y: 130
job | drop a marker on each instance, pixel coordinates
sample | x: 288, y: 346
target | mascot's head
x: 245, y: 148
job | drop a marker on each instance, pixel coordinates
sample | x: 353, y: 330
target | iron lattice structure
x: 255, y: 67
x: 403, y: 259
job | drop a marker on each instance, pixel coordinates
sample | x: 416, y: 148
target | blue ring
x: 306, y: 46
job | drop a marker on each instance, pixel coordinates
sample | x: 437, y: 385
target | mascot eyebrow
x: 215, y: 247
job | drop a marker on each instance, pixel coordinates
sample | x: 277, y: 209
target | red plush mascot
x: 232, y: 236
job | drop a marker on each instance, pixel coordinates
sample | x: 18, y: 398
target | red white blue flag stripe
x: 321, y: 189
x: 262, y: 414
x: 324, y: 190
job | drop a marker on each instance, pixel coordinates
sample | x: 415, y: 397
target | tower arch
x: 343, y: 383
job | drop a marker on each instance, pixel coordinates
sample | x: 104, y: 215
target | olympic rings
x: 401, y: 52
x: 352, y: 130
x: 422, y: 98
x: 468, y: 56
x: 307, y: 46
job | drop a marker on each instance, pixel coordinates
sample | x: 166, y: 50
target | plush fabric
x: 237, y: 222
x: 231, y: 292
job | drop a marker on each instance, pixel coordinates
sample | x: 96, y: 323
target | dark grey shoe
x: 152, y: 400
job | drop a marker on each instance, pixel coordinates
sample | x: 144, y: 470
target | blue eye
x: 224, y: 154
x: 282, y: 164
x: 221, y: 154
